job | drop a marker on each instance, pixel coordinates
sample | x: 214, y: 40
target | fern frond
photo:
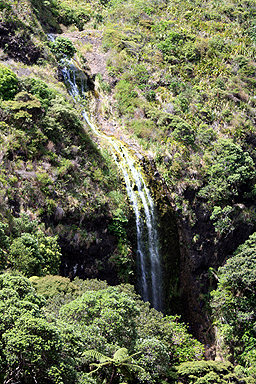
x: 95, y: 370
x: 97, y: 356
x: 121, y: 354
x: 132, y: 366
x: 129, y: 357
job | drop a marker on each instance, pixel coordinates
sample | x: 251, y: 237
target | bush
x: 222, y: 219
x: 78, y: 15
x: 63, y: 48
x: 181, y: 131
x: 205, y: 372
x: 229, y: 169
x: 191, y: 51
x: 126, y: 97
x: 9, y: 83
x: 40, y: 89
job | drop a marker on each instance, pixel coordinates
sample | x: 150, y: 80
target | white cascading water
x: 149, y: 261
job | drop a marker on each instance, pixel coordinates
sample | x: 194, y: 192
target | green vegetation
x: 204, y: 372
x: 56, y: 171
x: 229, y: 171
x: 62, y: 48
x: 183, y: 86
x: 187, y: 71
x: 120, y: 363
x: 233, y: 306
x: 55, y: 339
x: 8, y: 83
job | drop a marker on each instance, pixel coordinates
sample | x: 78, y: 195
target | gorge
x: 127, y: 172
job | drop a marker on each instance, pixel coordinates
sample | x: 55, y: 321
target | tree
x: 107, y: 317
x: 154, y: 358
x: 35, y: 254
x: 50, y: 252
x: 229, y: 169
x: 120, y: 363
x: 24, y: 224
x: 25, y: 256
x: 33, y: 349
x: 205, y: 372
x: 233, y: 304
x: 4, y: 245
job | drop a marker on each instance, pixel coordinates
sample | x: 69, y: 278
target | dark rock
x: 59, y: 214
x: 18, y: 47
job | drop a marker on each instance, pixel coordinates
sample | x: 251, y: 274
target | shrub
x: 181, y: 131
x: 69, y: 14
x: 40, y: 89
x: 9, y: 83
x: 143, y: 128
x: 229, y: 169
x: 126, y: 97
x: 205, y: 372
x: 218, y: 44
x: 63, y: 47
x: 222, y: 220
x: 119, y: 223
x: 191, y: 51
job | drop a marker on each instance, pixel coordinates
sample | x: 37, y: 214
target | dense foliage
x: 185, y: 90
x: 233, y: 304
x: 46, y: 340
x: 51, y: 170
x: 8, y: 83
x: 63, y: 48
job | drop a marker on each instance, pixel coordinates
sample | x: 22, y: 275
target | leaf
x: 121, y: 354
x: 97, y: 356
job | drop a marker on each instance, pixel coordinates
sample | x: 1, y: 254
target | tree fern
x: 119, y: 363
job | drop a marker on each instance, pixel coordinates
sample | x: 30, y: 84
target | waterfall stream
x: 148, y: 260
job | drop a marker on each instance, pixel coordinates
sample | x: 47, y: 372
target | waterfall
x: 148, y: 260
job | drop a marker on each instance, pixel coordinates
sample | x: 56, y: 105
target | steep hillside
x: 178, y: 79
x: 174, y: 78
x: 184, y: 89
x: 53, y: 173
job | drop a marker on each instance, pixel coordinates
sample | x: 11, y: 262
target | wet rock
x: 26, y: 175
x: 59, y: 213
x: 169, y: 108
x: 140, y: 156
x: 157, y: 175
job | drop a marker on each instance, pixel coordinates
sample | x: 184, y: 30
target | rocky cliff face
x: 188, y: 249
x: 87, y: 244
x: 18, y: 46
x: 201, y: 250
